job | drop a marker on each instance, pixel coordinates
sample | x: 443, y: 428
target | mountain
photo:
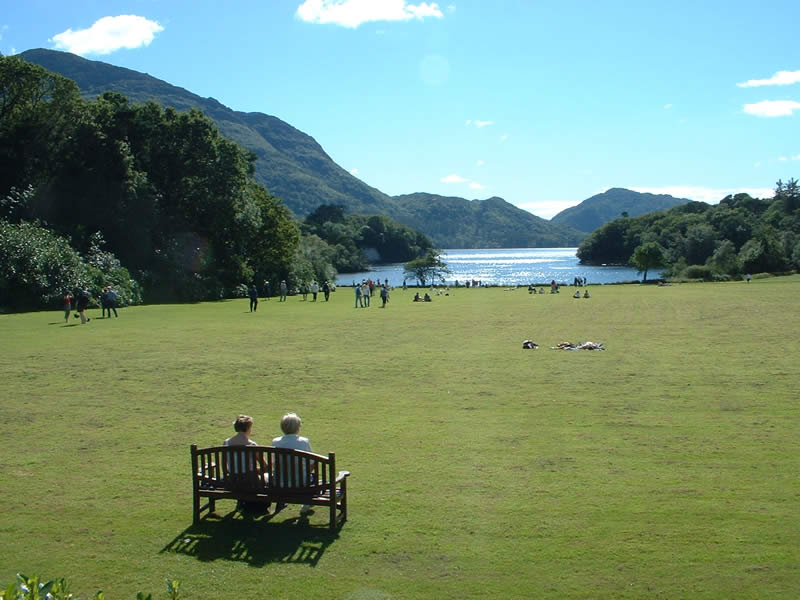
x: 493, y: 223
x: 598, y: 210
x: 295, y: 168
x: 289, y: 163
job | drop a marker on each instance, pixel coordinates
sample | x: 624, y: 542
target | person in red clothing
x: 67, y: 305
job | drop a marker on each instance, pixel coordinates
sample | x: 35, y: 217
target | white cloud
x: 703, y: 194
x: 783, y: 159
x: 480, y: 163
x: 478, y: 124
x: 108, y: 34
x: 352, y: 13
x: 780, y: 78
x: 503, y: 137
x: 353, y: 172
x: 451, y: 8
x: 3, y: 29
x: 474, y: 185
x: 454, y: 178
x: 667, y: 106
x: 772, y: 108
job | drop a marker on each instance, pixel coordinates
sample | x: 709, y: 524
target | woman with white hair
x: 290, y: 426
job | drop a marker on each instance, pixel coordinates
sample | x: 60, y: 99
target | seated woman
x: 290, y: 426
x: 586, y: 294
x: 417, y: 298
x: 243, y: 425
x: 427, y: 298
x: 577, y: 294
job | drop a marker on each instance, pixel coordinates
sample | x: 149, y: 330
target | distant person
x: 586, y: 294
x: 417, y: 298
x: 748, y: 277
x: 314, y: 291
x: 405, y: 285
x: 304, y: 290
x: 384, y: 295
x: 427, y: 298
x: 267, y: 290
x: 253, y: 293
x: 359, y: 300
x: 365, y: 293
x: 577, y: 294
x: 284, y: 290
x: 326, y: 290
x: 111, y: 301
x: 67, y: 301
x: 81, y: 304
x: 290, y: 426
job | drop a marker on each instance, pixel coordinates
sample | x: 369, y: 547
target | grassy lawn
x: 664, y: 467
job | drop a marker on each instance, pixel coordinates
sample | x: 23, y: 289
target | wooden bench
x: 268, y: 474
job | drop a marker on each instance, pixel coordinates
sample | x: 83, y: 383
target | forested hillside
x: 153, y: 201
x: 493, y: 223
x: 697, y: 240
x: 616, y: 202
x: 295, y: 168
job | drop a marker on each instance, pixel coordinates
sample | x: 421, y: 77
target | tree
x: 429, y: 267
x: 648, y: 256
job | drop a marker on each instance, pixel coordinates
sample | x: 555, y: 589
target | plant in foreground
x: 32, y: 588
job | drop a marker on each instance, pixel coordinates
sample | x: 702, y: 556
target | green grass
x: 665, y: 467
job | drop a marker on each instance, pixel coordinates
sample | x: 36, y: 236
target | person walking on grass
x: 384, y: 295
x: 326, y: 289
x: 359, y: 300
x: 314, y: 291
x: 253, y: 293
x: 284, y: 290
x: 81, y: 304
x: 67, y: 305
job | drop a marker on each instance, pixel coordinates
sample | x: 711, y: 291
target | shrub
x: 36, y: 266
x: 32, y: 588
x: 703, y: 272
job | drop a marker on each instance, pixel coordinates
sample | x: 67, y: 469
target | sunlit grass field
x: 663, y: 467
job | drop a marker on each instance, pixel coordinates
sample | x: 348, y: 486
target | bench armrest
x: 341, y: 476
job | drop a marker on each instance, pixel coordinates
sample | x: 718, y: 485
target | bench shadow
x: 256, y: 541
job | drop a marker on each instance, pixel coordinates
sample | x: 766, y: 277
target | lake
x: 506, y: 266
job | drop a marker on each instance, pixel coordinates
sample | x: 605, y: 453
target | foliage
x: 648, y: 256
x: 32, y: 588
x: 356, y: 240
x: 37, y: 266
x: 171, y: 197
x: 740, y: 234
x: 427, y: 269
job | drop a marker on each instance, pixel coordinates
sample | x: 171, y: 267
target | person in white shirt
x: 290, y: 426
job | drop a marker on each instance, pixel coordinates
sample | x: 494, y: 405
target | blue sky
x: 541, y: 103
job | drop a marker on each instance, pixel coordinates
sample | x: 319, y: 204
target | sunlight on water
x: 505, y: 266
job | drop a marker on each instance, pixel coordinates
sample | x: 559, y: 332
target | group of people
x: 291, y: 438
x: 425, y: 298
x: 577, y: 294
x: 366, y: 289
x: 304, y: 288
x: 81, y: 299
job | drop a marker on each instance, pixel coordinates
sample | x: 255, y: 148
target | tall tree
x: 427, y: 269
x: 648, y: 256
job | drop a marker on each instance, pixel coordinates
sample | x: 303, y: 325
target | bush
x: 36, y: 266
x: 703, y: 272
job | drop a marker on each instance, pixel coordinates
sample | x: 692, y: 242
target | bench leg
x: 196, y: 508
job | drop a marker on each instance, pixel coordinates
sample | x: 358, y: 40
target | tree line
x: 739, y: 235
x: 150, y: 200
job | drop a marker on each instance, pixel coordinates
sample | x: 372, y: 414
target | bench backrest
x: 263, y: 468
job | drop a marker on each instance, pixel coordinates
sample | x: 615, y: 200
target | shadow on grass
x: 255, y: 541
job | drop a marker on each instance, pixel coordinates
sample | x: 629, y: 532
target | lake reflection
x: 506, y: 266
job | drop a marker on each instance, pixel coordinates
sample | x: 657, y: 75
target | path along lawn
x: 664, y: 467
